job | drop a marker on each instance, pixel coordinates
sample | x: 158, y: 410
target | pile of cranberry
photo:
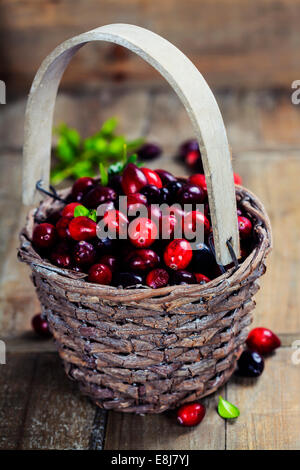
x: 139, y: 255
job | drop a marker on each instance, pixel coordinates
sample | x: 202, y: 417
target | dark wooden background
x: 249, y: 53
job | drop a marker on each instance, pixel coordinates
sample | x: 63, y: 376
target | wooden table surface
x: 39, y: 407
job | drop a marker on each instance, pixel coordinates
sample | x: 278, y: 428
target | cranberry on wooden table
x: 82, y: 228
x: 191, y: 414
x: 263, y: 340
x: 44, y: 235
x: 149, y: 151
x: 250, y: 364
x: 100, y: 274
x: 40, y: 326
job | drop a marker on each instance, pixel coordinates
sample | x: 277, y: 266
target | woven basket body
x: 144, y: 350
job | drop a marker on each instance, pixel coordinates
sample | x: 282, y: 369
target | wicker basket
x: 143, y: 350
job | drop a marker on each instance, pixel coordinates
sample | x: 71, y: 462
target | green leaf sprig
x: 79, y: 157
x: 227, y: 410
x: 81, y: 211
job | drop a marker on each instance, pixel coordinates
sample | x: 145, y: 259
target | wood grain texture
x: 235, y: 43
x: 58, y: 417
x: 270, y: 412
x: 157, y: 432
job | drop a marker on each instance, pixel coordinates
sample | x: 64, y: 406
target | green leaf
x: 227, y: 410
x: 132, y: 159
x: 103, y: 174
x: 64, y: 150
x: 109, y: 126
x: 81, y: 211
x: 115, y: 168
x: 115, y: 147
x: 93, y: 214
x: 82, y: 168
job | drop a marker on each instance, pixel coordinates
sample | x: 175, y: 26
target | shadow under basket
x: 147, y: 350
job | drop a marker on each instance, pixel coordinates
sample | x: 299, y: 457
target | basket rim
x: 75, y: 282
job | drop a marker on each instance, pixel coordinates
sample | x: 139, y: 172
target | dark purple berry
x: 250, y: 364
x: 183, y: 277
x: 149, y: 152
x: 84, y: 253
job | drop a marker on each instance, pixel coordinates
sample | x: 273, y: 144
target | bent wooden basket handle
x: 189, y: 85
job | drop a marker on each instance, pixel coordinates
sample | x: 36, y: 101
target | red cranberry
x: 63, y: 260
x: 152, y: 194
x: 127, y: 279
x: 116, y: 223
x: 153, y: 178
x: 263, y: 341
x: 100, y: 274
x: 178, y: 254
x: 133, y: 179
x: 237, y: 178
x: 154, y: 213
x: 84, y: 253
x: 199, y: 180
x: 44, y: 235
x: 183, y: 277
x: 99, y: 195
x: 115, y: 182
x: 193, y: 222
x: 104, y: 246
x: 142, y: 232
x: 68, y: 210
x: 135, y: 202
x: 149, y: 152
x: 157, y: 278
x: 110, y: 261
x: 62, y: 228
x: 142, y: 260
x: 192, y: 158
x: 250, y: 364
x: 204, y: 260
x: 82, y: 228
x: 165, y: 197
x: 40, y: 326
x: 173, y: 189
x: 245, y: 227
x: 188, y: 146
x: 201, y: 278
x: 168, y: 225
x: 81, y: 187
x: 165, y: 176
x: 191, y: 414
x: 191, y: 194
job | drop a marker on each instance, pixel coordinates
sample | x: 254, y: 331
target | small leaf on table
x: 227, y: 410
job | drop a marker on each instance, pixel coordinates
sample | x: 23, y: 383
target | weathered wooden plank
x: 275, y: 179
x: 270, y: 413
x: 156, y: 432
x: 15, y: 386
x: 57, y: 417
x: 236, y: 44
